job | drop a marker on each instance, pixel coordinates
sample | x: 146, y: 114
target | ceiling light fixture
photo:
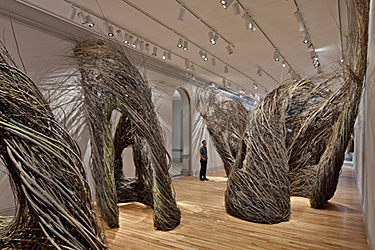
x: 136, y: 42
x: 213, y: 38
x: 131, y: 40
x: 276, y: 55
x: 181, y: 13
x: 142, y: 45
x: 226, y: 3
x: 226, y: 70
x: 155, y: 51
x: 89, y: 21
x: 229, y: 49
x: 213, y: 61
x: 290, y: 71
x: 187, y: 65
x: 169, y: 56
x: 179, y: 43
x: 126, y: 38
x: 82, y: 17
x: 72, y: 13
x: 107, y: 29
x: 147, y: 47
x: 201, y: 53
x: 283, y: 64
x: 192, y: 67
x: 119, y: 35
x: 164, y: 56
x: 255, y: 86
x: 259, y: 72
x: 186, y: 45
x: 205, y: 57
x: 248, y: 20
x: 298, y: 16
x: 236, y: 9
x: 306, y: 40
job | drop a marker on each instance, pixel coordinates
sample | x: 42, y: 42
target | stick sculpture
x: 110, y: 82
x: 45, y: 171
x: 295, y: 139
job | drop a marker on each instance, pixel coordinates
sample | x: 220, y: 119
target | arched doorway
x: 181, y: 133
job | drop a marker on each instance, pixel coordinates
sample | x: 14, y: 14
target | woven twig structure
x: 226, y: 120
x: 45, y: 170
x: 295, y: 139
x: 110, y: 82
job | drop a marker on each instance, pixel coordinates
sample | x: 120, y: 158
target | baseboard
x: 8, y: 211
x: 370, y: 239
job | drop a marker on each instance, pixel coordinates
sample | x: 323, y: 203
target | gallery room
x: 187, y: 124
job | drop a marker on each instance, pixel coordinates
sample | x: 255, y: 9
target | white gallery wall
x: 364, y: 153
x: 46, y: 60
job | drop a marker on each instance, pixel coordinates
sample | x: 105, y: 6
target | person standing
x: 203, y: 160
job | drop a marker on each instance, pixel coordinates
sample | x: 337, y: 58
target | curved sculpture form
x: 110, y: 82
x: 226, y: 119
x: 295, y: 139
x: 45, y: 171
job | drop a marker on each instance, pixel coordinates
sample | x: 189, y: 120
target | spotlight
x: 316, y: 62
x: 185, y: 45
x: 192, y: 67
x: 179, y: 43
x: 187, y: 65
x: 266, y: 92
x: 276, y: 55
x: 147, y: 47
x: 253, y: 27
x: 236, y: 9
x: 82, y: 17
x: 289, y: 71
x: 248, y: 20
x: 212, y: 37
x: 142, y: 45
x: 283, y: 64
x: 155, y: 51
x: 89, y: 21
x: 298, y: 16
x: 181, y: 14
x: 313, y: 54
x: 259, y: 72
x: 306, y: 40
x: 131, y: 40
x: 255, y: 86
x: 229, y: 84
x: 226, y: 3
x: 229, y: 49
x: 164, y: 56
x: 126, y: 38
x: 119, y: 35
x: 201, y: 53
x: 107, y: 29
x: 72, y: 13
x: 342, y: 58
x: 226, y: 69
x: 205, y: 57
x: 213, y: 61
x: 136, y: 42
x: 304, y: 33
x: 169, y: 56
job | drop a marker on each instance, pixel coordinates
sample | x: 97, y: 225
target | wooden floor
x: 206, y: 225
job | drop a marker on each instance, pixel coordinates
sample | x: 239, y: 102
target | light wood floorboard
x: 206, y: 225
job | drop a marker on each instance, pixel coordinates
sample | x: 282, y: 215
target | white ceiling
x: 148, y: 18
